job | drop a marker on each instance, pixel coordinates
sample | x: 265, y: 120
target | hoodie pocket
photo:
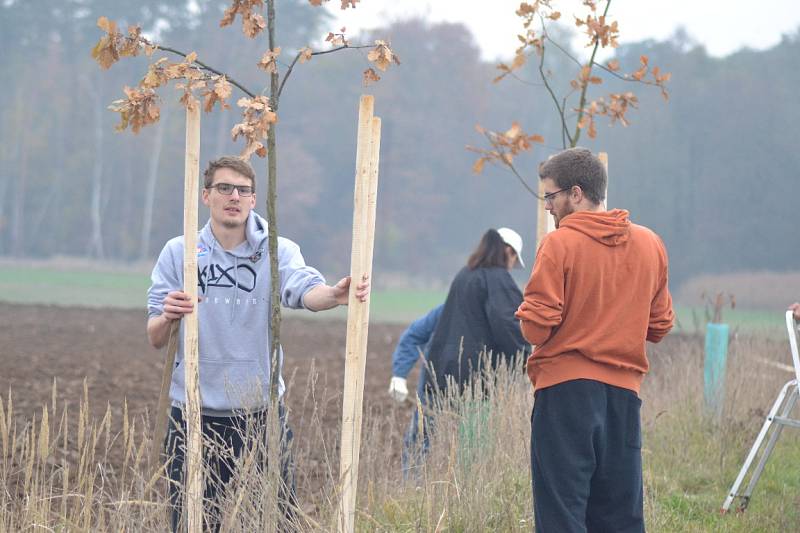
x: 235, y: 384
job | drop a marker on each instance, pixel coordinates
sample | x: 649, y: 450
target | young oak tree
x: 209, y: 86
x: 575, y: 109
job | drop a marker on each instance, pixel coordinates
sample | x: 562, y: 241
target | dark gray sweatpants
x: 586, y: 459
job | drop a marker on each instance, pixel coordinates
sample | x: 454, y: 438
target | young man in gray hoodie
x: 233, y: 315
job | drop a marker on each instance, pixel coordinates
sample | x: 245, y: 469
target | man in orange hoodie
x: 598, y: 290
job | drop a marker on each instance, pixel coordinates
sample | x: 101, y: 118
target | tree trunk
x: 54, y: 189
x: 10, y: 147
x: 20, y: 183
x: 150, y: 188
x: 95, y: 248
x: 272, y: 221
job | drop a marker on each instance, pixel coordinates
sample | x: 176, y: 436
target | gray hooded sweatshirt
x: 233, y: 318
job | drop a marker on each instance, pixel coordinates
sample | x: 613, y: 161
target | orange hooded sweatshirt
x: 598, y: 290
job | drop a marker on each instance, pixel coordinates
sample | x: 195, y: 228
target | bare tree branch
x: 626, y: 78
x: 564, y: 129
x: 277, y: 97
x: 525, y: 82
x: 208, y: 68
x: 582, y: 101
x: 511, y: 167
x: 563, y: 50
x: 341, y: 48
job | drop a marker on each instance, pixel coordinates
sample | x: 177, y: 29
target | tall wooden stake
x: 364, y: 207
x: 162, y: 420
x: 603, y: 157
x: 544, y: 222
x: 194, y: 442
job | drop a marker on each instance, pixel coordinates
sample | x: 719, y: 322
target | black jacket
x: 478, y: 314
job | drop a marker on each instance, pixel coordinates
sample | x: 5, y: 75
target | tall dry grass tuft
x: 71, y: 472
x: 56, y: 471
x: 63, y: 469
x: 475, y: 476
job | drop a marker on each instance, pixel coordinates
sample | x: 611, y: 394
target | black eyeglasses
x: 551, y: 195
x: 227, y: 189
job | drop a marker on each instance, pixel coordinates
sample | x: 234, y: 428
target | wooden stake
x: 194, y: 442
x: 603, y: 157
x: 542, y: 218
x: 162, y: 419
x: 364, y: 207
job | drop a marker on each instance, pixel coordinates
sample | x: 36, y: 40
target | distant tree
x: 575, y: 109
x: 199, y: 80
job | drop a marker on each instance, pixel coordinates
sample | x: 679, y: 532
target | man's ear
x: 578, y: 193
x: 204, y: 197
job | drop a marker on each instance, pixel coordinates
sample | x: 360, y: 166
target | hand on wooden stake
x: 342, y: 290
x: 177, y: 304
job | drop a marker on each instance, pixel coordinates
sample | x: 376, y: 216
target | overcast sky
x: 723, y: 26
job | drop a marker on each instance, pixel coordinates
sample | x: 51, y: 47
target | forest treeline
x: 714, y: 170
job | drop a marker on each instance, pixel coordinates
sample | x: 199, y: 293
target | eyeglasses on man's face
x: 227, y: 189
x: 549, y: 197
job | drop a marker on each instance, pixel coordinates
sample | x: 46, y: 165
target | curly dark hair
x: 577, y: 166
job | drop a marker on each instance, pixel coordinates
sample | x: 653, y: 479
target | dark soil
x: 108, y: 349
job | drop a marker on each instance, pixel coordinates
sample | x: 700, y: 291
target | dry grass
x: 62, y: 471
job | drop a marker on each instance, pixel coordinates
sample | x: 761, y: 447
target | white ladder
x: 784, y: 404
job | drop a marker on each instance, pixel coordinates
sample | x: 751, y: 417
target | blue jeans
x: 414, y: 450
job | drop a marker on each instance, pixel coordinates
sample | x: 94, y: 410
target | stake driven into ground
x: 364, y: 207
x: 194, y: 478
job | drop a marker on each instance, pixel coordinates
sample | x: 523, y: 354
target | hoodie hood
x: 255, y: 237
x: 611, y: 228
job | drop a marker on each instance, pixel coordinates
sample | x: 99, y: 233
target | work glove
x: 398, y: 389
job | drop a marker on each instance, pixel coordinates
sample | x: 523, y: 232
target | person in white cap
x: 476, y: 325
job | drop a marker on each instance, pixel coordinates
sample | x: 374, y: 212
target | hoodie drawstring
x: 235, y: 287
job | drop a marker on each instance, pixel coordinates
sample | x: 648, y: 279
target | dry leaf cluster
x: 258, y: 116
x: 601, y: 33
x: 113, y: 45
x: 505, y: 146
x: 140, y: 106
x: 252, y: 23
x: 345, y: 3
x: 383, y: 56
x: 337, y: 39
x: 268, y: 60
x: 598, y: 31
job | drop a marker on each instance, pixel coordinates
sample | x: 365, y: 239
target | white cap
x: 512, y: 238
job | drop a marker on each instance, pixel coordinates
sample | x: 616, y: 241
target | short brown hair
x: 577, y: 166
x: 491, y: 252
x: 235, y: 163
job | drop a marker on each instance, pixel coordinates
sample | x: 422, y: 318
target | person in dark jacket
x: 478, y: 315
x: 477, y: 319
x: 412, y: 345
